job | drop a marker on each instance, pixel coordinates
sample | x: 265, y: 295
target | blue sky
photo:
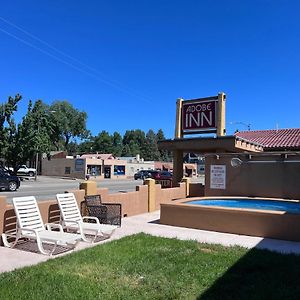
x: 126, y: 62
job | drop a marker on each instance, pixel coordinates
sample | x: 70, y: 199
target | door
x: 3, y: 179
x: 107, y: 172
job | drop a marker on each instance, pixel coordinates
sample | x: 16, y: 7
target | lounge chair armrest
x: 91, y: 218
x: 70, y: 221
x: 50, y: 226
x: 28, y: 229
x: 110, y: 203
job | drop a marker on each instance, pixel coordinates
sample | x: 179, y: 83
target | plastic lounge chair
x: 30, y: 225
x: 107, y: 213
x: 73, y: 221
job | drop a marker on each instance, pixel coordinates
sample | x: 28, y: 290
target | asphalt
x: 24, y: 255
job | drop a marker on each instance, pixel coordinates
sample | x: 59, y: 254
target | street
x: 45, y: 188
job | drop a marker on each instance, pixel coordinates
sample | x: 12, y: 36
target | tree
x: 136, y: 142
x: 117, y: 144
x: 70, y: 123
x: 165, y: 155
x: 87, y: 146
x: 7, y: 124
x: 151, y: 151
x: 31, y: 136
x: 103, y: 142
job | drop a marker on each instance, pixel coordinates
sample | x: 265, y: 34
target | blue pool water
x: 253, y: 204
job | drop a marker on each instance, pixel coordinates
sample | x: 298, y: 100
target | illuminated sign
x: 199, y: 115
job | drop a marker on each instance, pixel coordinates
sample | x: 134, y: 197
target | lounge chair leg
x: 41, y: 248
x: 7, y: 243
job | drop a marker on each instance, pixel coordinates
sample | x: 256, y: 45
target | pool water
x: 253, y: 204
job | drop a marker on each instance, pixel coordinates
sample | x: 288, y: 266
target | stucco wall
x: 133, y: 203
x: 168, y: 195
x: 264, y: 179
x: 271, y: 224
x: 196, y: 190
x: 57, y: 167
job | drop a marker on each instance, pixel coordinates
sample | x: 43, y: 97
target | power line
x: 113, y: 83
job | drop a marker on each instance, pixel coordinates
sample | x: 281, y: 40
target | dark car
x: 8, y: 182
x: 143, y: 174
x: 161, y: 175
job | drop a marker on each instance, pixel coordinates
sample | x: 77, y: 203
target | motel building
x: 259, y: 167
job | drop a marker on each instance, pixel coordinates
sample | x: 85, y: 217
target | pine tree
x: 164, y: 154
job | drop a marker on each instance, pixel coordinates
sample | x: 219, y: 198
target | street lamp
x: 242, y: 123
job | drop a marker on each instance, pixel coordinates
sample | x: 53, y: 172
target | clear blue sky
x: 135, y: 58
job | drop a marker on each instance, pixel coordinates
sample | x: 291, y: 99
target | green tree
x: 70, y: 123
x: 136, y: 142
x: 117, y: 144
x: 7, y: 124
x: 103, y: 142
x: 151, y: 150
x: 31, y: 137
x: 87, y: 146
x: 165, y: 155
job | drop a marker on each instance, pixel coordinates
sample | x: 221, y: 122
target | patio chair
x: 30, y: 226
x: 107, y: 213
x: 73, y: 221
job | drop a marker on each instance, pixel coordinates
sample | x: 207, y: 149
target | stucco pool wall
x: 262, y: 223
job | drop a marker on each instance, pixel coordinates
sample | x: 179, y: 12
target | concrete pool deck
x: 11, y: 259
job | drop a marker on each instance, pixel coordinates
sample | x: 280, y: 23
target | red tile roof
x: 288, y: 139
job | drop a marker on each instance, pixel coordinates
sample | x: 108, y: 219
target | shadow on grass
x: 260, y: 274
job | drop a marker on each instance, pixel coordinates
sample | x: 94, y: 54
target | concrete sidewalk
x: 11, y: 259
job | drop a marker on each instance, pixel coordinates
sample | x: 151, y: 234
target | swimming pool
x: 272, y: 218
x: 262, y: 204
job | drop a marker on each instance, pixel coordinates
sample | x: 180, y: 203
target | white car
x: 24, y: 170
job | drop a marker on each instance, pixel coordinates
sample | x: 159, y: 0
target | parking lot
x: 46, y: 187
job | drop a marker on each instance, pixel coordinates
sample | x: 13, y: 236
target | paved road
x: 46, y: 188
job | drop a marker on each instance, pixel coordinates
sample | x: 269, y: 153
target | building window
x: 119, y: 170
x: 94, y: 170
x: 67, y: 170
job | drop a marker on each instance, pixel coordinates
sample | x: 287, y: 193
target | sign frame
x: 212, y: 129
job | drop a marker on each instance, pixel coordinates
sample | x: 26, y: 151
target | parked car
x: 8, y: 182
x: 161, y: 175
x: 143, y: 174
x: 24, y: 170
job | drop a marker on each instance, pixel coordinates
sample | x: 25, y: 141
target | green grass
x: 146, y: 267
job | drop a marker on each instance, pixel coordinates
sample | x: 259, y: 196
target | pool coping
x: 263, y: 223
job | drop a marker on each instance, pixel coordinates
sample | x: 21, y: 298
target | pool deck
x: 11, y: 259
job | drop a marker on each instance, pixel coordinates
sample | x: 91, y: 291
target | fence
x: 146, y: 198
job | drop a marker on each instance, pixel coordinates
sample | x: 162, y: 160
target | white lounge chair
x: 30, y: 225
x: 72, y: 219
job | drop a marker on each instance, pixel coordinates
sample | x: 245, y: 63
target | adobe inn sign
x: 199, y: 115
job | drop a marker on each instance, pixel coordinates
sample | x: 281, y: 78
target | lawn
x: 146, y: 267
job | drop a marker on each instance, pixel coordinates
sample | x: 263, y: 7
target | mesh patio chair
x: 107, y: 213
